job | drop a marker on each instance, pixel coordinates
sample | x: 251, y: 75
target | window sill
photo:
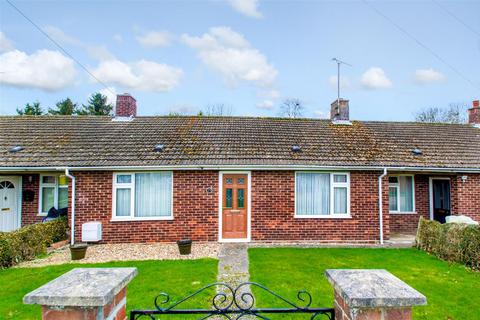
x: 42, y: 214
x: 325, y: 216
x: 401, y: 212
x: 140, y: 219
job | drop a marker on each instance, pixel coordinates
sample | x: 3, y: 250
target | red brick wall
x: 474, y: 113
x: 195, y: 210
x: 126, y: 106
x: 466, y: 196
x: 273, y: 207
x: 465, y: 199
x: 30, y: 208
x: 407, y: 223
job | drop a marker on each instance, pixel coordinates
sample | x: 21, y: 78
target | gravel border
x: 127, y: 252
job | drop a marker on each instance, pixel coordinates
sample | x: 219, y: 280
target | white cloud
x: 98, y: 52
x: 321, y: 114
x: 60, y: 36
x: 139, y: 75
x: 231, y: 55
x: 117, y: 38
x: 183, y: 109
x: 154, y: 39
x: 44, y: 69
x: 268, y: 99
x: 344, y: 82
x: 272, y: 94
x: 5, y: 43
x: 246, y: 7
x: 375, y: 78
x: 424, y: 76
x: 111, y: 94
x: 266, y: 104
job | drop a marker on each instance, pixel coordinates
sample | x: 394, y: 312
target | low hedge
x: 451, y: 241
x: 30, y: 241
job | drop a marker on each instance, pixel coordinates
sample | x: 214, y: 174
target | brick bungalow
x: 149, y: 179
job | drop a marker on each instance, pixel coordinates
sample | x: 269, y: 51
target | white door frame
x: 220, y: 205
x: 430, y: 193
x: 18, y: 183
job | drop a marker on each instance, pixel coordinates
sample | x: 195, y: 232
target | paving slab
x: 233, y: 269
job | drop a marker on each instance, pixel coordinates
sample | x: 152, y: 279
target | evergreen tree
x: 31, y: 109
x: 64, y: 107
x: 97, y: 106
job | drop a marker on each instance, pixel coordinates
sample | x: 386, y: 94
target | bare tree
x: 432, y: 114
x: 454, y: 113
x: 217, y: 109
x: 292, y: 108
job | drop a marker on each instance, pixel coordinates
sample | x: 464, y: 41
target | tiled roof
x: 98, y: 141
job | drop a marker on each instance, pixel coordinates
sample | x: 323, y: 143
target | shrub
x: 30, y: 241
x: 451, y: 241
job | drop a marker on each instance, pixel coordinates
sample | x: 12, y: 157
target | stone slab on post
x: 372, y: 295
x: 85, y: 294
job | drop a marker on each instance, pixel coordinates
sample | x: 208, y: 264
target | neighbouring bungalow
x: 162, y: 178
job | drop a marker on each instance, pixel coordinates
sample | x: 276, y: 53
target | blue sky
x: 248, y: 54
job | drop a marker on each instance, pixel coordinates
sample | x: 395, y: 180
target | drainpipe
x: 380, y: 203
x: 72, y: 236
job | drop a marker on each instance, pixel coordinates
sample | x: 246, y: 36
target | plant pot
x: 184, y: 246
x: 78, y: 251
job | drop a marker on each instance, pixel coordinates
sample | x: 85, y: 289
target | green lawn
x: 176, y: 278
x: 452, y: 291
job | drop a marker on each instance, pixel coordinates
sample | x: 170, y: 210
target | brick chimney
x: 474, y: 113
x: 340, y: 112
x: 126, y: 106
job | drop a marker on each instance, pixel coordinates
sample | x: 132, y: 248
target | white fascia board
x: 239, y: 167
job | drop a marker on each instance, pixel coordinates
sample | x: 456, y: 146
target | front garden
x: 175, y: 277
x: 452, y: 290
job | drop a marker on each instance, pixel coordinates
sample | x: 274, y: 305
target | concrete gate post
x: 85, y: 294
x: 372, y: 295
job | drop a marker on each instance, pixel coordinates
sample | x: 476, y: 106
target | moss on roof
x: 200, y: 140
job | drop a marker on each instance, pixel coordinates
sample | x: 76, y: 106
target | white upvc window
x: 322, y: 194
x: 53, y: 193
x: 143, y: 196
x: 401, y: 193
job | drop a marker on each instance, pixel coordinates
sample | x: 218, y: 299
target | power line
x: 408, y: 34
x: 456, y: 18
x: 58, y: 45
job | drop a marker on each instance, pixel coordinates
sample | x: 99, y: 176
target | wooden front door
x: 235, y: 206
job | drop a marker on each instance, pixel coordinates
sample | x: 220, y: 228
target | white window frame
x: 397, y: 186
x: 48, y: 185
x: 131, y: 186
x: 333, y: 185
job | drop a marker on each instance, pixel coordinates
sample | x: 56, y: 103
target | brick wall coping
x: 86, y: 287
x: 373, y: 288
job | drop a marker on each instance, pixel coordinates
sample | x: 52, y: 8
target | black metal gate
x: 234, y: 303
